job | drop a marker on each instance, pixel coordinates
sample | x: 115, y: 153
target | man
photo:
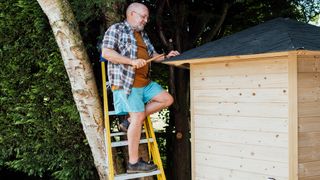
x: 127, y: 47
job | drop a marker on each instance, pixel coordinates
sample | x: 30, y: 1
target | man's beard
x: 138, y: 28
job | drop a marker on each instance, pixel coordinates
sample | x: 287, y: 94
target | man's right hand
x: 138, y: 63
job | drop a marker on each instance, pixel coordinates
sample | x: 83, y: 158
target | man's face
x: 140, y: 18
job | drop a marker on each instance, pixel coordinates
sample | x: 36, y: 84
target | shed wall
x: 309, y: 117
x: 240, y: 119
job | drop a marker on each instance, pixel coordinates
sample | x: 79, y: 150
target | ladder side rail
x: 147, y: 137
x: 155, y: 150
x: 107, y: 123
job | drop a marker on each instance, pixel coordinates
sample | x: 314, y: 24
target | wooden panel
x: 242, y: 123
x: 267, y: 153
x: 309, y: 117
x: 243, y: 109
x: 309, y: 139
x: 243, y: 164
x: 242, y: 137
x: 309, y: 63
x: 310, y: 178
x: 271, y: 66
x: 309, y: 109
x: 214, y: 173
x: 242, y: 95
x: 251, y: 57
x: 293, y: 116
x: 308, y: 80
x: 192, y: 123
x: 242, y: 81
x: 309, y: 124
x: 308, y: 154
x: 310, y: 94
x: 309, y: 169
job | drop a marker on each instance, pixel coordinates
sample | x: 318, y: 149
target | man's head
x: 137, y: 16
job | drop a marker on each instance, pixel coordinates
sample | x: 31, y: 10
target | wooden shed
x: 255, y: 103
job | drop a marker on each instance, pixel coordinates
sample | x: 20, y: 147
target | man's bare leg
x: 159, y: 102
x: 134, y: 134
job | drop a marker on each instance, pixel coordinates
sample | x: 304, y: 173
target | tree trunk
x: 80, y: 73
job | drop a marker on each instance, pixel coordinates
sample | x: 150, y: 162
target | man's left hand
x: 172, y: 53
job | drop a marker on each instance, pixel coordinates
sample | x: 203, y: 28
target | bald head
x: 136, y: 7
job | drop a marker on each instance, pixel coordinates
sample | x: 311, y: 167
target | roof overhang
x: 186, y: 63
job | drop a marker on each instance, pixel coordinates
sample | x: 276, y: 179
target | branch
x: 217, y: 26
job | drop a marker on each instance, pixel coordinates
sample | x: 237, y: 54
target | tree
x: 81, y: 76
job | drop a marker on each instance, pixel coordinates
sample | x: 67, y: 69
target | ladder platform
x: 125, y: 143
x: 136, y: 175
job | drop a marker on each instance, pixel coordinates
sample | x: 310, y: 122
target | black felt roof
x: 280, y: 34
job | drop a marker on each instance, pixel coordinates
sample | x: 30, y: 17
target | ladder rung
x: 122, y: 133
x: 125, y: 143
x: 136, y: 175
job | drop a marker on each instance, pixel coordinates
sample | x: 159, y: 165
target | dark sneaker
x: 141, y: 167
x: 124, y: 125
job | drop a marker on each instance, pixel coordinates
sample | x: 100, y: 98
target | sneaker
x: 124, y: 125
x: 140, y: 167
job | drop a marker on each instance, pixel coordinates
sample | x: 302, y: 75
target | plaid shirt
x: 120, y: 37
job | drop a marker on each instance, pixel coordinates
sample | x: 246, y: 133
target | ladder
x: 150, y: 139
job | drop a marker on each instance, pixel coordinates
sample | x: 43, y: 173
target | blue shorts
x: 136, y: 101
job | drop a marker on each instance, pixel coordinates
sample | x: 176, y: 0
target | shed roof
x: 277, y: 35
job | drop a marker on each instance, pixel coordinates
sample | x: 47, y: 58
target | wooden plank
x: 242, y: 95
x: 309, y: 63
x: 310, y: 178
x: 243, y: 164
x: 215, y: 173
x: 242, y: 123
x: 309, y: 169
x: 192, y: 128
x: 308, y: 80
x: 277, y: 110
x: 310, y: 94
x: 242, y: 81
x: 250, y: 57
x: 293, y: 116
x: 242, y: 137
x: 270, y: 66
x: 309, y: 139
x: 309, y: 124
x: 309, y: 109
x: 268, y: 153
x: 308, y: 154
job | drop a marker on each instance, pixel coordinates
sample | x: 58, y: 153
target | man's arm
x: 116, y: 58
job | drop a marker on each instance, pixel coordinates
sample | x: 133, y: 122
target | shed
x: 255, y: 103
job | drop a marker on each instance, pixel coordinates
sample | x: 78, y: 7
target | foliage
x: 40, y: 129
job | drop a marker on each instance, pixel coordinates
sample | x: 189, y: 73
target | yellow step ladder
x: 150, y: 140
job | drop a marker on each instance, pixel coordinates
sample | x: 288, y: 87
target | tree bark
x: 80, y: 73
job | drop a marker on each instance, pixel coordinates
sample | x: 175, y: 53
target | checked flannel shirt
x: 120, y: 37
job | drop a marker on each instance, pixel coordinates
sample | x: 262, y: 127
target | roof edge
x: 182, y: 63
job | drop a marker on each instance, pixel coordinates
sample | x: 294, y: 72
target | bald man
x: 127, y: 47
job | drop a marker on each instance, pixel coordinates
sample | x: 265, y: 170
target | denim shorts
x: 136, y: 101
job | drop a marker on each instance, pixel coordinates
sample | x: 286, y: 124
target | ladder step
x: 125, y: 143
x: 136, y: 175
x: 122, y: 133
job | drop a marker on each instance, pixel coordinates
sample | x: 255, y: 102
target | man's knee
x: 169, y: 100
x: 138, y: 117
